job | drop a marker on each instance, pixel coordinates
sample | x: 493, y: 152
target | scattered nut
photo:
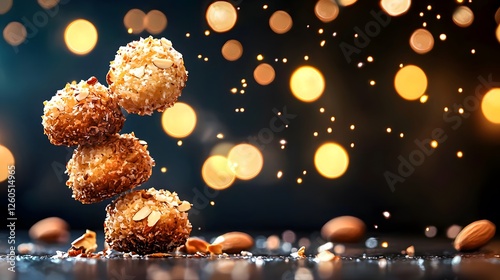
x: 50, y: 230
x: 162, y: 63
x: 138, y: 72
x: 142, y: 214
x: 474, y: 235
x: 26, y: 248
x: 81, y: 96
x: 410, y: 251
x: 234, y: 242
x: 159, y: 255
x: 326, y: 256
x: 300, y: 253
x: 215, y: 249
x: 343, y: 229
x: 86, y: 243
x: 185, y: 206
x: 153, y: 218
x: 194, y: 244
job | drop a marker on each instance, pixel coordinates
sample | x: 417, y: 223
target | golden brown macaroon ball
x: 98, y: 172
x: 147, y: 75
x: 81, y: 113
x: 147, y: 221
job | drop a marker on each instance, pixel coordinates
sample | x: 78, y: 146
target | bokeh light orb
x: 395, y: 8
x: 280, y: 22
x: 497, y: 16
x: 134, y: 21
x: 232, y: 50
x: 491, y: 105
x: 246, y: 161
x: 421, y: 41
x: 307, y: 83
x: 331, y: 160
x: 47, y: 4
x: 410, y: 82
x: 155, y: 22
x: 498, y: 33
x: 15, y: 33
x: 5, y: 6
x: 221, y: 16
x: 216, y: 172
x: 179, y: 121
x: 264, y: 74
x: 80, y: 36
x: 6, y: 159
x: 326, y: 10
x: 346, y: 3
x: 463, y: 16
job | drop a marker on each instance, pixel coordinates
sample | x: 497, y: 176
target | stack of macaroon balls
x: 147, y: 75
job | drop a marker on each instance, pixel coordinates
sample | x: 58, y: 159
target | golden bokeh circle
x: 490, y: 105
x: 497, y: 16
x: 395, y: 7
x: 80, y: 36
x: 497, y: 33
x: 307, y: 83
x: 15, y: 33
x: 331, y: 160
x: 6, y: 160
x: 155, y: 22
x: 346, y: 3
x: 134, y: 21
x: 232, y: 50
x: 5, y: 6
x: 463, y: 16
x: 246, y: 161
x: 48, y: 4
x: 179, y: 121
x: 326, y: 10
x: 421, y: 41
x: 216, y: 172
x: 264, y: 74
x: 221, y: 16
x: 280, y: 22
x: 410, y: 82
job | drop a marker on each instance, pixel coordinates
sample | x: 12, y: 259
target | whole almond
x: 343, y: 229
x: 474, y: 235
x: 50, y: 230
x: 234, y: 242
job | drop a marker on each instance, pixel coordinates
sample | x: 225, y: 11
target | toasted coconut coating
x: 98, y: 172
x: 146, y: 222
x: 147, y: 75
x: 83, y: 113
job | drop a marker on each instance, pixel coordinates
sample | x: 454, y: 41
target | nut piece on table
x: 87, y: 243
x: 474, y: 235
x: 343, y: 229
x: 234, y: 242
x: 195, y: 244
x: 50, y: 230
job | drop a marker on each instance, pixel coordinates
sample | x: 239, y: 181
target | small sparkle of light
x: 424, y: 98
x: 299, y: 180
x: 329, y: 130
x: 389, y: 130
x: 401, y: 135
x: 461, y: 111
x: 282, y: 147
x: 320, y: 31
x: 334, y: 34
x: 306, y: 57
x: 421, y: 14
x: 424, y: 24
x: 207, y: 32
x: 179, y: 143
x: 321, y: 110
x: 279, y: 174
x: 212, y: 203
x: 234, y: 90
x: 283, y: 142
x: 130, y: 30
x: 429, y: 7
x: 237, y: 110
x: 369, y: 59
x: 243, y: 81
x: 442, y: 37
x: 188, y: 35
x: 260, y: 57
x: 446, y: 109
x: 386, y: 214
x: 401, y: 65
x: 304, y: 172
x: 360, y: 64
x: 200, y: 56
x: 430, y: 231
x: 375, y: 226
x: 352, y: 145
x: 276, y: 60
x: 473, y: 51
x: 205, y: 59
x: 460, y: 154
x: 244, y: 85
x: 384, y: 244
x: 163, y: 169
x: 315, y: 134
x: 332, y: 119
x: 356, y: 35
x: 434, y: 144
x: 265, y: 7
x: 242, y: 91
x: 322, y: 43
x: 372, y: 82
x: 220, y: 136
x: 438, y: 16
x: 352, y: 127
x: 285, y: 60
x: 460, y: 90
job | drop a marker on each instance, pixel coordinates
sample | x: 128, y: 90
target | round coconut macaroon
x: 147, y: 221
x: 98, y: 172
x: 147, y: 75
x: 81, y: 113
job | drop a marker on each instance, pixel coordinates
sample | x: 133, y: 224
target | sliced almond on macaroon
x: 153, y: 218
x: 162, y: 63
x: 142, y: 214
